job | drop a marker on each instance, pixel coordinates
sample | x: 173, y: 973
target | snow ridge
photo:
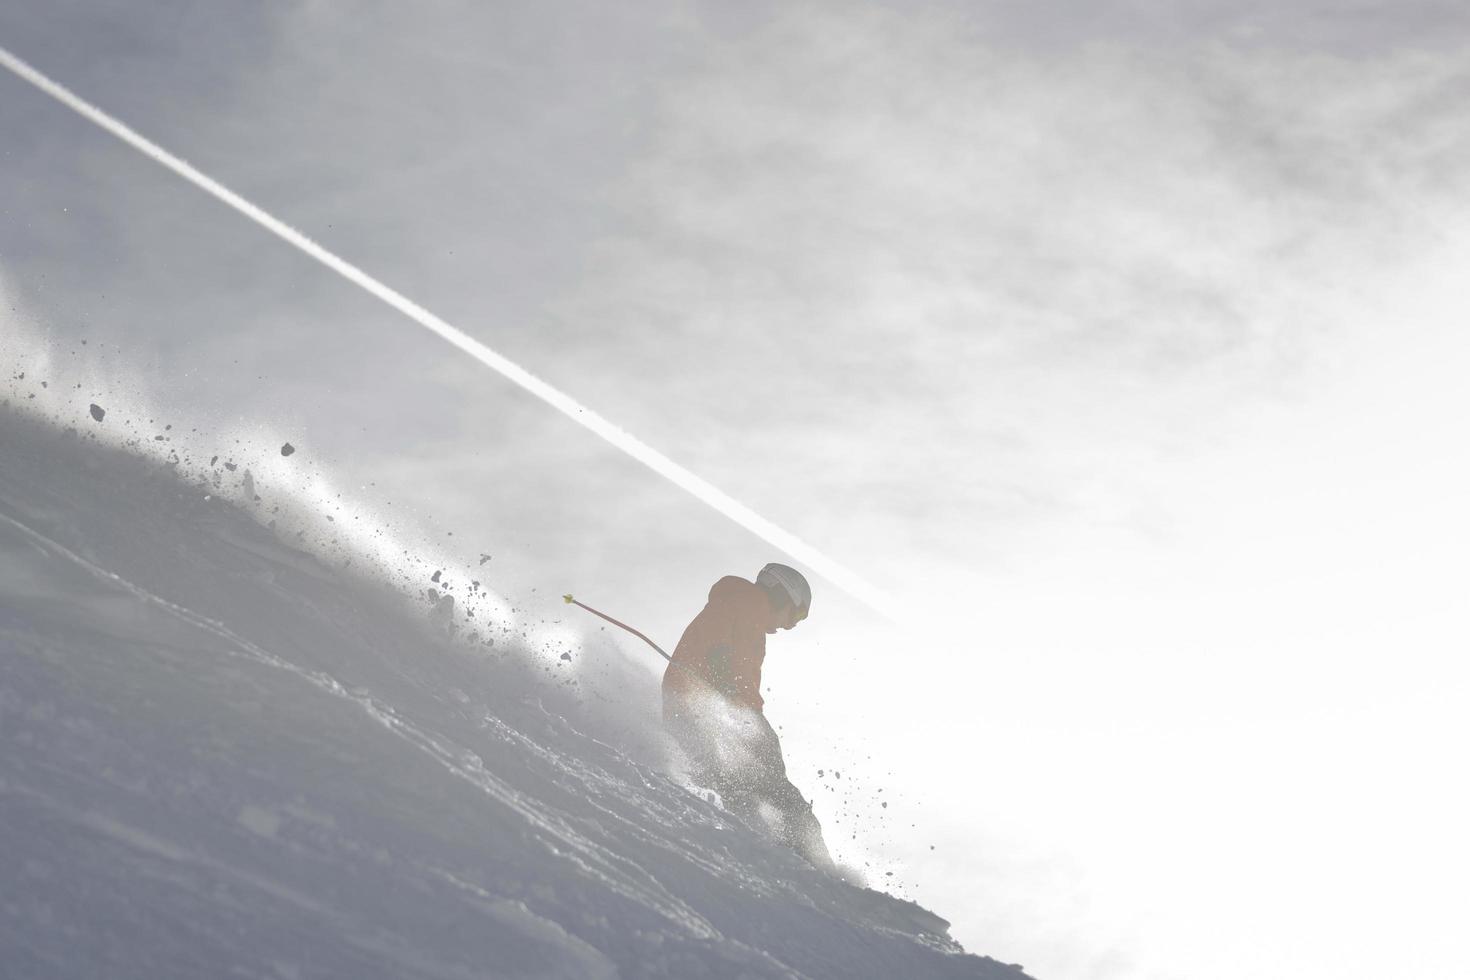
x: 216, y: 763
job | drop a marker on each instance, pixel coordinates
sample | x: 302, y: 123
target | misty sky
x: 1125, y: 345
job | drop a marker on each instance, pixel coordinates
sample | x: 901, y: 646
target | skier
x: 713, y: 708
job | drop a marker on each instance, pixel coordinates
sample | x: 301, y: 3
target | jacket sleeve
x: 724, y: 647
x: 748, y: 643
x: 706, y: 648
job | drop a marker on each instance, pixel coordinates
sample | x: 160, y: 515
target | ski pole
x: 615, y: 622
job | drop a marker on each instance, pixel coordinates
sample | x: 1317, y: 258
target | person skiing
x: 712, y: 705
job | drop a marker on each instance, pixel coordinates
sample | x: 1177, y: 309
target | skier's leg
x: 798, y: 825
x: 800, y: 828
x: 691, y: 733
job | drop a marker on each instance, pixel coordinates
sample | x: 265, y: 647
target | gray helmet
x: 787, y: 580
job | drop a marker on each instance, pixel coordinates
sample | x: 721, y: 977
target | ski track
x: 143, y: 842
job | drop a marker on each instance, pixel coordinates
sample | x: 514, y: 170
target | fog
x: 1123, y: 348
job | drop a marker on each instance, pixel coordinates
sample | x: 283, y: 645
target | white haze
x: 1131, y: 359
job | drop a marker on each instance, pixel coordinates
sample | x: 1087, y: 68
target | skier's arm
x: 750, y: 693
x: 725, y: 643
x: 749, y: 644
x: 733, y: 666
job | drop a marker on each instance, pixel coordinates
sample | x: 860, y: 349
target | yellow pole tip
x: 567, y: 597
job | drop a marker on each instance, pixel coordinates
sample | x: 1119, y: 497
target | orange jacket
x: 724, y: 647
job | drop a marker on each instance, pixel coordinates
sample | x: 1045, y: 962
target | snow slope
x: 223, y: 757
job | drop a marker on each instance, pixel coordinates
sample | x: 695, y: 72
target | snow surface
x: 224, y: 756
